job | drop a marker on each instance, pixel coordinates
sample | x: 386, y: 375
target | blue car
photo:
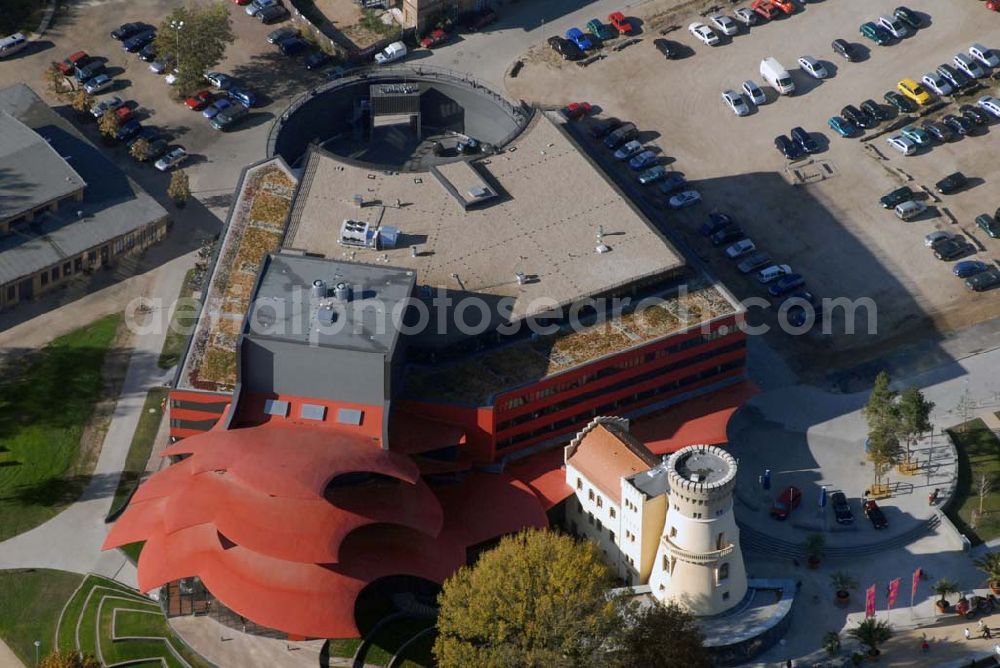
x: 716, y: 221
x: 243, y: 96
x: 576, y: 36
x: 672, y: 183
x: 967, y: 268
x: 842, y: 126
x: 642, y: 160
x: 216, y: 107
x: 786, y: 284
x: 128, y: 130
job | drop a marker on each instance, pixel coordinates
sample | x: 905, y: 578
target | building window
x: 612, y: 511
x: 78, y: 264
x: 725, y: 596
x: 10, y: 293
x: 673, y: 532
x: 591, y: 495
x: 590, y: 518
x: 45, y: 278
x: 600, y: 502
x: 579, y: 483
x: 666, y: 563
x: 723, y: 572
x: 66, y: 268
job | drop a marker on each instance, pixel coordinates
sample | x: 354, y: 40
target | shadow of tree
x: 279, y: 75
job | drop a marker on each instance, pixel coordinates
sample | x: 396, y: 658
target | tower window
x: 591, y: 495
x: 612, y: 511
x: 579, y: 483
x: 600, y: 502
x: 723, y: 572
x: 673, y: 532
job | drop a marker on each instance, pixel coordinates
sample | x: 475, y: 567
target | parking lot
x: 819, y: 215
x: 216, y: 158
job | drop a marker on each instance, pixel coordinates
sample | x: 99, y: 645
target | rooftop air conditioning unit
x: 354, y: 233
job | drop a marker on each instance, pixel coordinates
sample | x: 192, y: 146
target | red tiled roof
x: 545, y: 474
x: 604, y: 457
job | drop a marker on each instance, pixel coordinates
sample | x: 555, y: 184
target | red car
x: 242, y: 2
x: 622, y: 24
x: 765, y: 8
x: 994, y: 5
x: 435, y: 38
x: 123, y: 113
x: 199, y: 100
x: 69, y: 65
x: 786, y: 6
x: 787, y: 501
x: 574, y: 111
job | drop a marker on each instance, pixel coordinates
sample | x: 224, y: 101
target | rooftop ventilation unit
x: 355, y: 233
x: 318, y: 290
x: 480, y: 192
x: 342, y: 292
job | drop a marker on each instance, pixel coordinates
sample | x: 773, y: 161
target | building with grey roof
x: 65, y: 207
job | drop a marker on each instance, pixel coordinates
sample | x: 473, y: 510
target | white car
x: 725, y: 24
x: 934, y: 237
x: 100, y: 83
x: 813, y: 67
x: 174, y: 157
x: 986, y: 56
x: 109, y: 104
x: 773, y: 272
x: 936, y: 83
x: 902, y: 144
x: 746, y: 16
x: 754, y: 92
x: 894, y: 26
x: 990, y: 104
x: 171, y: 78
x: 684, y: 199
x: 964, y: 62
x: 740, y: 248
x: 703, y: 34
x: 735, y: 102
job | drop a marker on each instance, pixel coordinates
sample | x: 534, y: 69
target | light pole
x: 177, y: 25
x: 38, y: 645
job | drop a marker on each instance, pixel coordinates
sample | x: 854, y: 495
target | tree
x: 881, y: 410
x: 831, y: 643
x: 989, y: 564
x: 984, y: 485
x: 179, y: 190
x: 914, y: 416
x: 140, y: 150
x: 871, y: 633
x: 67, y: 659
x: 842, y: 581
x: 55, y: 81
x: 639, y: 639
x: 537, y: 599
x: 109, y: 123
x: 82, y: 102
x: 813, y: 546
x: 884, y: 451
x: 197, y: 44
x: 944, y: 588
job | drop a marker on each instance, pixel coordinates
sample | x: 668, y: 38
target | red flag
x: 916, y: 582
x: 893, y: 591
x: 870, y: 602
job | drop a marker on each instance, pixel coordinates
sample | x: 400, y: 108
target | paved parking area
x: 829, y: 228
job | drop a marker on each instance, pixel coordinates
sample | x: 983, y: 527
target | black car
x: 844, y: 49
x: 788, y: 148
x: 897, y: 196
x: 876, y: 110
x: 903, y: 104
x: 565, y: 48
x: 939, y: 131
x: 602, y: 127
x: 804, y: 140
x: 951, y: 183
x: 272, y: 14
x: 841, y: 509
x: 667, y: 48
x: 960, y: 125
x: 126, y: 30
x: 155, y: 151
x: 861, y: 119
x: 316, y: 60
x: 672, y: 183
x: 908, y: 16
x: 727, y: 235
x: 89, y: 71
x: 957, y: 79
x: 716, y: 221
x: 875, y: 515
x: 985, y: 280
x: 148, y: 52
x: 138, y: 41
x: 292, y: 45
x: 974, y: 114
x: 951, y: 249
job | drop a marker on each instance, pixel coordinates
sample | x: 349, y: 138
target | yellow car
x: 914, y: 91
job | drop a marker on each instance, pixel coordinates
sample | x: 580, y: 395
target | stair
x: 756, y: 541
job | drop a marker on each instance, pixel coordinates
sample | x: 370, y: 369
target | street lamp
x: 38, y: 644
x: 177, y: 25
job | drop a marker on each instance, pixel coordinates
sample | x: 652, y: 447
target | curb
x: 43, y: 25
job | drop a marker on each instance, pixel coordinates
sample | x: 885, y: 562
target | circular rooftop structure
x: 701, y: 468
x: 398, y: 118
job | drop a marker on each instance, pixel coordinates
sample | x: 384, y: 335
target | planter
x: 813, y: 562
x: 843, y: 597
x: 995, y: 587
x: 942, y: 606
x: 873, y: 655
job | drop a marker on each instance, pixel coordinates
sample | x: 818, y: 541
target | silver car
x: 746, y: 16
x: 894, y: 26
x: 174, y: 157
x: 986, y: 56
x: 753, y: 92
x: 735, y: 102
x: 109, y: 104
x: 936, y: 83
x: 726, y: 25
x: 967, y: 64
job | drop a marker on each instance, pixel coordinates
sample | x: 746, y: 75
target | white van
x: 768, y: 274
x: 777, y: 76
x: 391, y: 53
x: 911, y: 209
x: 11, y: 45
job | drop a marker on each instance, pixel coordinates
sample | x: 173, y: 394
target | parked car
x: 147, y: 54
x: 842, y: 127
x: 672, y: 183
x: 568, y: 50
x: 844, y: 49
x: 727, y: 235
x: 601, y: 31
x: 625, y: 133
x: 786, y: 284
x: 988, y: 57
x: 669, y: 49
x: 970, y: 66
x: 219, y: 105
x: 126, y: 30
x: 897, y: 196
x: 156, y: 149
x: 765, y: 9
x: 735, y: 102
x: 245, y: 97
x: 967, y: 268
x: 958, y: 80
x: 909, y: 17
x: 841, y: 509
x: 574, y: 111
x: 602, y: 127
x: 952, y: 183
x: 683, y: 200
x: 434, y: 38
x: 859, y: 117
x: 877, y: 111
x: 652, y: 175
x: 160, y: 66
x: 909, y: 210
x: 936, y: 83
x: 876, y: 33
x: 787, y: 147
x: 911, y: 89
x: 804, y: 140
x: 291, y: 46
x: 627, y: 150
x: 803, y: 308
x: 904, y: 105
x: 69, y: 65
x: 773, y: 273
x: 109, y: 104
x: 958, y: 124
x: 917, y: 135
x: 89, y: 71
x: 576, y: 36
x: 316, y: 60
x: 787, y: 501
x: 479, y: 20
x: 989, y: 225
x: 902, y: 144
x: 138, y: 41
x: 703, y: 34
x: 199, y: 100
x: 936, y: 237
x: 740, y: 248
x: 754, y: 262
x: 875, y: 515
x: 128, y: 130
x: 753, y: 92
x: 746, y: 16
x: 786, y: 6
x: 726, y: 25
x: 272, y: 14
x: 174, y: 157
x: 975, y: 115
x: 939, y: 130
x: 989, y: 104
x: 256, y: 5
x: 642, y: 160
x: 985, y: 280
x: 219, y: 80
x: 951, y: 249
x: 716, y: 221
x: 284, y: 32
x: 99, y: 83
x: 813, y: 67
x: 620, y: 23
x: 894, y: 26
x: 230, y: 117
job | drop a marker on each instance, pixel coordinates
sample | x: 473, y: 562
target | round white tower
x: 698, y: 561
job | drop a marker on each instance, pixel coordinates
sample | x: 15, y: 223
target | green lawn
x: 132, y: 550
x: 978, y: 453
x: 183, y: 321
x: 391, y: 637
x: 142, y: 445
x: 30, y: 601
x: 344, y: 648
x: 45, y: 402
